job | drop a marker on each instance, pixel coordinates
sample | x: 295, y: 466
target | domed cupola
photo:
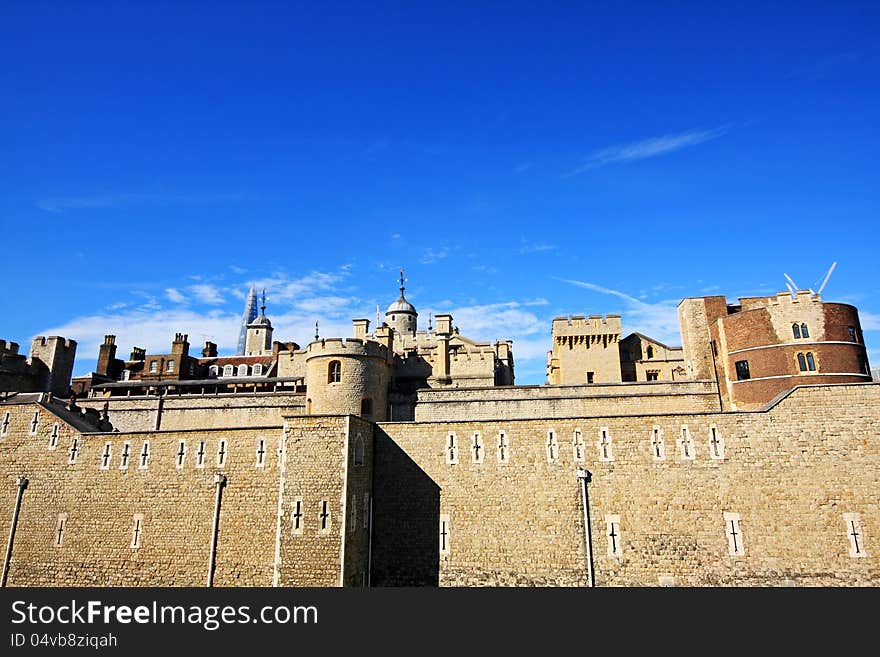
x: 258, y: 340
x: 401, y: 315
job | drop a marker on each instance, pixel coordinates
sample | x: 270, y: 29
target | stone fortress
x: 750, y: 455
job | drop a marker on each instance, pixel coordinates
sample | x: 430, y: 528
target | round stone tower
x: 401, y: 315
x: 347, y: 377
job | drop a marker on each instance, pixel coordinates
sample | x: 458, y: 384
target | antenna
x: 790, y: 289
x: 827, y: 276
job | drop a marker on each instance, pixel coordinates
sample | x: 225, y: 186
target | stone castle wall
x: 790, y: 474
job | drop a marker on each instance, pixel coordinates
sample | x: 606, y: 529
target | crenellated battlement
x: 581, y: 325
x: 351, y: 347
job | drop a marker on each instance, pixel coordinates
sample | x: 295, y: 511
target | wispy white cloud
x: 641, y: 150
x: 62, y: 204
x: 207, y: 293
x: 174, y: 295
x: 869, y: 321
x: 431, y: 255
x: 658, y: 320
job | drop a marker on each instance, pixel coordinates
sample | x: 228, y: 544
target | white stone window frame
x: 180, y: 461
x: 503, y: 448
x: 213, y: 371
x: 201, y: 453
x: 125, y: 455
x: 612, y: 533
x: 137, y: 530
x: 297, y: 516
x: 54, y: 437
x: 228, y: 370
x: 4, y: 426
x: 735, y: 544
x: 169, y: 366
x: 606, y: 448
x: 853, y: 523
x: 34, y: 424
x: 686, y: 444
x: 477, y: 448
x: 60, y: 529
x: 578, y: 446
x: 222, y: 453
x: 716, y: 442
x: 154, y: 366
x: 450, y: 449
x: 106, y: 452
x: 257, y: 370
x: 144, y: 456
x: 73, y: 451
x: 658, y: 445
x: 242, y: 370
x: 126, y: 375
x: 325, y: 523
x: 366, y: 510
x: 443, y: 535
x: 260, y: 450
x: 552, y: 447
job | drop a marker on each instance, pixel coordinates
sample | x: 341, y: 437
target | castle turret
x: 401, y: 315
x: 585, y: 350
x: 258, y: 340
x: 52, y: 361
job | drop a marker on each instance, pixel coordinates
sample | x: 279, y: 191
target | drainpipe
x: 584, y: 476
x: 22, y: 483
x: 715, y: 372
x: 219, y: 483
x: 370, y: 544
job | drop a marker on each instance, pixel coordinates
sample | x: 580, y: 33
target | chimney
x: 106, y: 354
x: 138, y: 353
x: 210, y: 350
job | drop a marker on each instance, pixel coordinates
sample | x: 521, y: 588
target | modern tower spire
x: 250, y: 314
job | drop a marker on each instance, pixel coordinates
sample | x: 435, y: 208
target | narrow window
x: 137, y: 530
x: 796, y: 330
x: 590, y: 376
x: 4, y: 427
x: 552, y: 447
x: 811, y: 363
x: 200, y: 455
x: 605, y: 453
x: 221, y: 453
x: 213, y: 371
x: 125, y: 455
x: 366, y: 406
x: 352, y: 514
x: 106, y: 455
x: 650, y: 351
x: 181, y: 454
x: 261, y: 453
x: 742, y: 370
x: 613, y: 532
x: 852, y: 333
x: 477, y: 449
x: 74, y: 450
x: 145, y: 456
x: 358, y: 451
x: 804, y: 332
x: 366, y: 510
x: 503, y: 448
x: 716, y: 443
x: 324, y: 517
x: 444, y: 534
x: 802, y: 363
x: 451, y: 449
x: 59, y: 529
x: 242, y: 370
x: 578, y: 446
x: 35, y: 423
x: 651, y: 375
x: 296, y: 516
x: 154, y: 367
x: 735, y: 545
x: 257, y: 370
x: 169, y: 366
x: 227, y: 370
x: 686, y: 442
x: 658, y: 449
x: 854, y: 534
x: 53, y: 438
x: 334, y: 372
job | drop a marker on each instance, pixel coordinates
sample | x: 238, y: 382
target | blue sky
x: 520, y: 160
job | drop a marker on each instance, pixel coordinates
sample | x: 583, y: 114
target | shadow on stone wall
x: 406, y: 519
